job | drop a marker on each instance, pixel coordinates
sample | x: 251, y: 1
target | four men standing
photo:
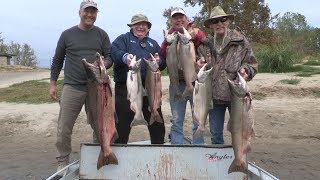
x: 230, y: 53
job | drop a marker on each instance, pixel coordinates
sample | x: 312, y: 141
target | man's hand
x: 201, y: 62
x: 129, y: 57
x: 157, y: 57
x: 243, y: 73
x: 53, y: 90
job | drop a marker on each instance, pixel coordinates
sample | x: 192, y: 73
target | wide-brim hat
x: 217, y: 12
x: 139, y: 18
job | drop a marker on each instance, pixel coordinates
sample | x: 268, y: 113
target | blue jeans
x: 216, y: 122
x: 178, y: 111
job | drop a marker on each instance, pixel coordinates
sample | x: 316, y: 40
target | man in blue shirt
x: 134, y: 43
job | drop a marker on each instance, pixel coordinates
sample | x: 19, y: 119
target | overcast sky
x: 39, y: 23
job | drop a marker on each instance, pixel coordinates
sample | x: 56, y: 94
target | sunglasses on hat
x: 216, y: 21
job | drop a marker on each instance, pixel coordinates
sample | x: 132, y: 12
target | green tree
x: 28, y: 57
x: 16, y: 50
x: 253, y: 17
x: 3, y: 47
x: 293, y: 28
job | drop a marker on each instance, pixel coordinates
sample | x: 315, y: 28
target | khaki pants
x: 71, y: 104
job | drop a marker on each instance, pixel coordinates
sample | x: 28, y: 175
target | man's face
x: 140, y: 29
x: 88, y: 16
x: 178, y: 21
x: 219, y: 25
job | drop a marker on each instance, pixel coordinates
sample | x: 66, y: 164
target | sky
x: 40, y: 23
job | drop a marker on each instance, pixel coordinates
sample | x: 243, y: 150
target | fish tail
x: 199, y: 132
x: 105, y: 160
x: 138, y: 120
x: 155, y: 117
x: 238, y: 166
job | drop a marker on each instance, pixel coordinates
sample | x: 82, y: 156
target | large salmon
x: 202, y: 98
x: 153, y: 88
x: 241, y: 123
x: 135, y: 92
x: 173, y: 64
x: 187, y: 58
x: 99, y: 84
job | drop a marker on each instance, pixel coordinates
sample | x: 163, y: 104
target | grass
x: 316, y: 93
x: 258, y: 96
x: 31, y: 92
x: 292, y: 81
x: 305, y: 71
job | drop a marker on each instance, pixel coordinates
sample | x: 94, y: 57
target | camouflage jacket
x: 234, y: 54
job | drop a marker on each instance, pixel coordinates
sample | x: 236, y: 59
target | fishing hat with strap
x: 139, y: 18
x: 217, y: 14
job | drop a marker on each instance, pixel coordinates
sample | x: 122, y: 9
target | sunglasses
x: 216, y: 21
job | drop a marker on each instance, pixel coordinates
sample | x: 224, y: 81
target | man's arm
x: 107, y: 52
x: 57, y: 64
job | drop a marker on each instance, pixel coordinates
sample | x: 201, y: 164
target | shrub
x: 276, y: 58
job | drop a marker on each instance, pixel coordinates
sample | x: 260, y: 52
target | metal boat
x: 141, y: 160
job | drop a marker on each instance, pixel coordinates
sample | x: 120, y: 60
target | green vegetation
x: 277, y: 58
x: 292, y: 81
x: 316, y: 93
x: 258, y: 96
x: 313, y: 60
x: 33, y: 92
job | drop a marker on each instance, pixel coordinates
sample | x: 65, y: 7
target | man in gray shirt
x: 76, y: 43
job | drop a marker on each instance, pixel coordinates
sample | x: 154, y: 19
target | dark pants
x: 125, y: 117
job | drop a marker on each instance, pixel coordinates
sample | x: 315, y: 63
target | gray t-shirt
x: 75, y: 44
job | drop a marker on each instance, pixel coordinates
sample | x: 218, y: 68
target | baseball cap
x: 88, y: 3
x: 177, y: 10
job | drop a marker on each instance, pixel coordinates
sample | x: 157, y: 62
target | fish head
x: 152, y: 63
x: 238, y: 86
x: 135, y: 64
x: 204, y: 72
x: 96, y: 71
x: 185, y: 37
x: 170, y: 38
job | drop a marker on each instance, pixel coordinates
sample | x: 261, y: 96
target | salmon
x: 153, y: 89
x: 173, y: 64
x: 202, y: 100
x: 241, y: 123
x: 99, y: 84
x: 187, y: 57
x: 135, y: 92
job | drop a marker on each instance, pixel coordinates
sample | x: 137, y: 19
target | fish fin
x: 102, y: 161
x: 238, y: 167
x: 248, y: 148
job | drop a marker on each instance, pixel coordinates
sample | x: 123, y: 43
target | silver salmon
x: 202, y: 94
x: 135, y: 92
x: 99, y: 84
x: 241, y: 123
x: 187, y: 58
x: 173, y: 64
x: 153, y: 88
